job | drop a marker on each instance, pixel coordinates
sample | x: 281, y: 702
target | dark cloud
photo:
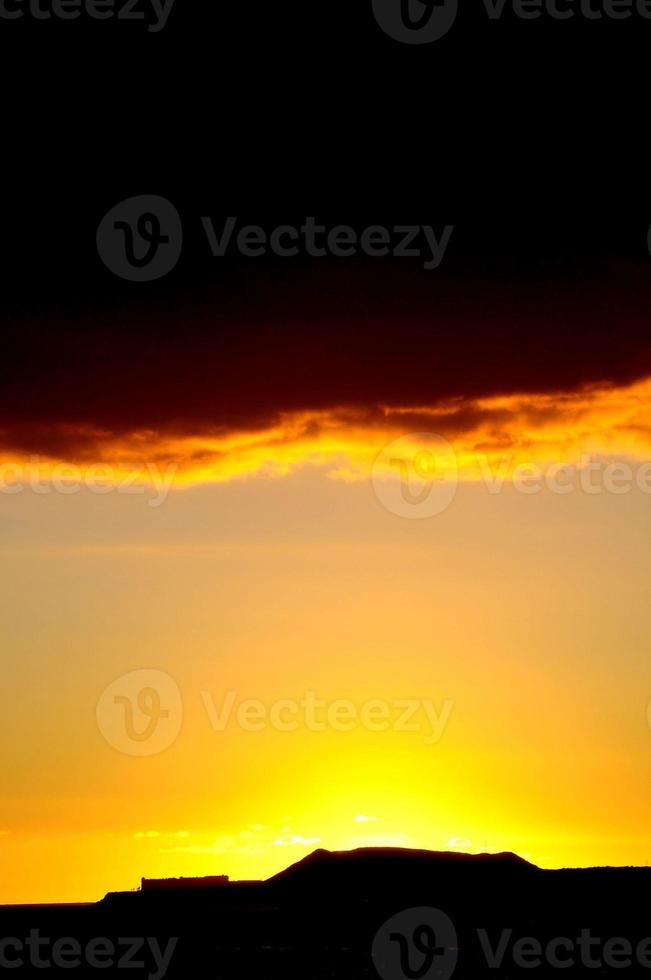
x: 360, y: 336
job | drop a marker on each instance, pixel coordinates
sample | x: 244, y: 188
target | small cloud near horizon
x: 157, y: 833
x: 289, y: 840
x: 252, y: 841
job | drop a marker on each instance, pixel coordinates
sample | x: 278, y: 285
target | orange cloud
x: 497, y: 431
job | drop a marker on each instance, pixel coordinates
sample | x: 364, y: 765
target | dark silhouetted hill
x: 373, y: 869
x: 319, y: 917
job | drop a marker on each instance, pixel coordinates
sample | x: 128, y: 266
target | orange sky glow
x: 515, y: 622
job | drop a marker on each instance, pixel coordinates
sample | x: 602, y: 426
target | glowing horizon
x: 272, y: 589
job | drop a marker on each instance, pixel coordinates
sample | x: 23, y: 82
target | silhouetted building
x: 172, y: 884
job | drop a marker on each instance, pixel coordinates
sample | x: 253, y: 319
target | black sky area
x: 527, y: 136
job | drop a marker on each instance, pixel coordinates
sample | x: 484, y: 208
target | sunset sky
x: 269, y: 549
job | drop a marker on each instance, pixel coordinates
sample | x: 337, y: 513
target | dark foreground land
x: 328, y: 916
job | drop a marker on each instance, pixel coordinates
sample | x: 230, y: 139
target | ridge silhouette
x: 322, y: 916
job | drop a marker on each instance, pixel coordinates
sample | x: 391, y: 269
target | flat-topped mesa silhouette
x: 361, y: 867
x: 395, y: 868
x: 364, y: 858
x: 363, y: 871
x: 387, y: 873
